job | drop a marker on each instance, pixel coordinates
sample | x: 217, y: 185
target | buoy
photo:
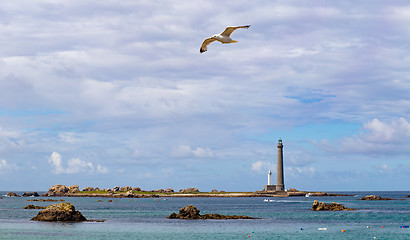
x: 301, y: 228
x: 249, y: 236
x: 322, y: 229
x: 343, y: 230
x: 382, y: 226
x: 368, y: 226
x: 253, y: 232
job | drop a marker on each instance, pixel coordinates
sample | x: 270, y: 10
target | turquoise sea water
x: 285, y: 218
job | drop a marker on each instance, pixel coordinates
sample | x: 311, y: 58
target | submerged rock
x: 31, y: 206
x: 375, y: 198
x: 321, y: 206
x: 60, y: 212
x: 45, y: 200
x: 191, y: 212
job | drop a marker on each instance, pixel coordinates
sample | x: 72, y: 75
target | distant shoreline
x: 136, y: 194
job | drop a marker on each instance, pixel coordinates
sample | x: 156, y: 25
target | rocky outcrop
x: 29, y: 194
x: 116, y: 189
x: 60, y: 190
x: 129, y: 194
x: 375, y: 198
x: 12, y: 194
x: 191, y: 212
x: 31, y: 206
x: 321, y: 206
x: 60, y: 212
x: 189, y: 190
x: 125, y: 189
x: 293, y: 190
x: 136, y: 189
x: 214, y: 191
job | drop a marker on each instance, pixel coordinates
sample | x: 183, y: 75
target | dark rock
x: 136, y: 189
x: 60, y: 212
x: 321, y: 206
x: 191, y: 212
x: 29, y: 194
x: 158, y: 190
x: 375, y: 198
x: 214, y: 191
x: 12, y: 194
x: 31, y: 206
x: 293, y: 190
x: 88, y: 189
x: 116, y: 189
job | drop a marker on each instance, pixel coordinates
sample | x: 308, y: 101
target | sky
x: 116, y: 93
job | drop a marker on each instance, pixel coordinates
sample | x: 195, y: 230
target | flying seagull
x: 223, y: 37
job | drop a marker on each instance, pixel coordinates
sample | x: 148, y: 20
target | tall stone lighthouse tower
x: 280, y: 183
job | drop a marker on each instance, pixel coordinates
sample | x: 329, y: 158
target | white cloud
x: 184, y: 151
x: 6, y: 167
x: 74, y: 165
x: 376, y: 137
x: 55, y: 160
x: 100, y: 83
x: 297, y: 171
x: 3, y: 164
x: 384, y: 169
x: 262, y: 166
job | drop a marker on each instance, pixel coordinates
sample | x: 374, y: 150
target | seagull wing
x: 205, y: 44
x: 229, y: 30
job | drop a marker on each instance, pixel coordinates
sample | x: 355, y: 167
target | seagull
x: 223, y: 37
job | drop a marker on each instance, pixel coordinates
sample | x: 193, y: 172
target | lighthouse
x: 280, y: 183
x: 269, y: 178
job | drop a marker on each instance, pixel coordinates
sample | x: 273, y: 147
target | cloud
x: 376, y: 137
x: 74, y: 165
x: 262, y: 166
x: 7, y: 167
x: 55, y: 160
x: 98, y: 79
x: 297, y: 171
x: 184, y: 151
x: 384, y: 169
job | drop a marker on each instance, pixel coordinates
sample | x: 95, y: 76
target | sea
x: 281, y: 218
